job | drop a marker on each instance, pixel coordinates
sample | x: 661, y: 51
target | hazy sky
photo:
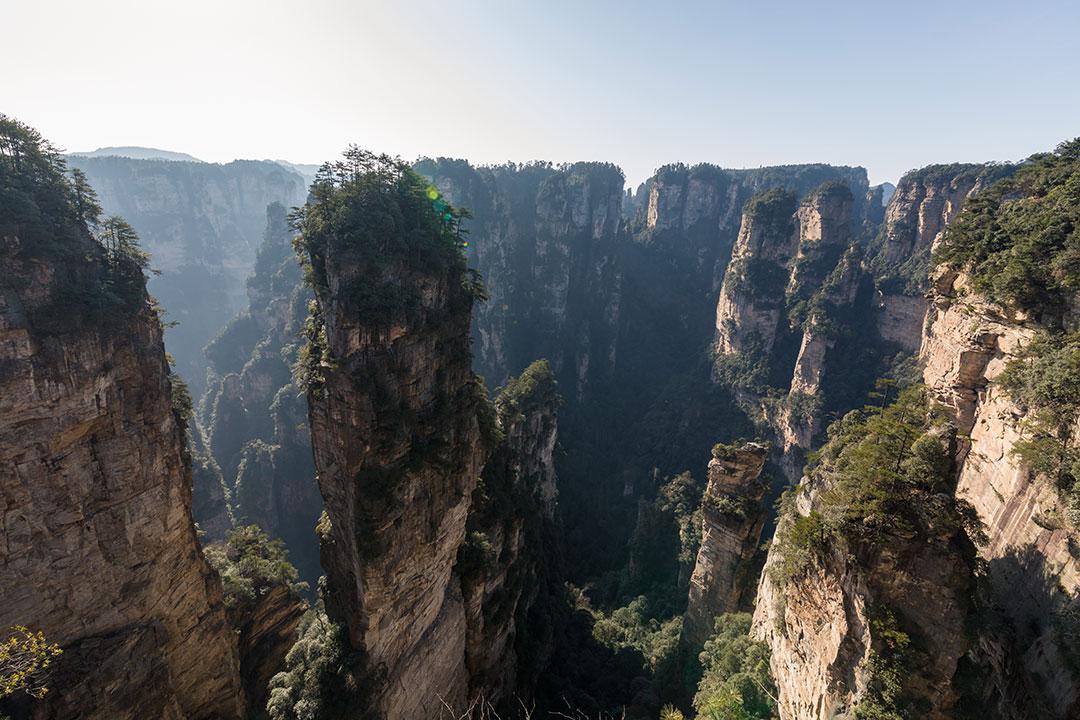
x: 887, y: 85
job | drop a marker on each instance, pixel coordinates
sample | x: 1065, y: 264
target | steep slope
x: 100, y: 549
x: 202, y: 224
x: 1000, y: 353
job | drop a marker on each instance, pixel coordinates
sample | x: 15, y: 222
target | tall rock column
x: 395, y: 430
x: 752, y: 298
x: 99, y: 548
x: 506, y: 563
x: 731, y: 524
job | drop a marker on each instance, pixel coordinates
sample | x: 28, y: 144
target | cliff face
x: 548, y: 243
x: 508, y: 560
x: 924, y: 203
x: 100, y: 550
x: 823, y: 634
x: 265, y: 636
x: 398, y: 452
x: 252, y: 416
x: 396, y: 433
x: 616, y: 303
x: 1032, y: 571
x: 732, y: 520
x: 869, y: 578
x: 790, y: 336
x: 751, y: 302
x: 202, y: 223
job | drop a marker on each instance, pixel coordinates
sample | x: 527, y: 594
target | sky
x: 887, y: 85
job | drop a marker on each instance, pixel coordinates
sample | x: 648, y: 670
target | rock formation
x: 732, y: 519
x: 867, y: 586
x: 1032, y: 570
x: 506, y: 564
x: 99, y: 545
x: 202, y: 224
x: 924, y: 203
x: 752, y: 299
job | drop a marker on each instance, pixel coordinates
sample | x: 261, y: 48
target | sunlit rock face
x: 732, y: 520
x: 99, y: 549
x: 1032, y: 568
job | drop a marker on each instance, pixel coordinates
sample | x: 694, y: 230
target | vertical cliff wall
x: 509, y: 562
x: 731, y: 524
x: 1032, y: 570
x: 99, y: 546
x: 396, y: 432
x: 867, y: 586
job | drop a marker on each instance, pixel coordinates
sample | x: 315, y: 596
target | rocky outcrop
x: 864, y: 613
x: 1032, y: 569
x: 924, y: 203
x: 507, y: 562
x: 732, y: 519
x: 202, y: 224
x: 789, y: 317
x: 398, y: 447
x: 99, y: 548
x: 823, y: 632
x: 751, y: 301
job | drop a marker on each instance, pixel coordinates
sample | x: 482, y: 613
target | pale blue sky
x: 887, y: 85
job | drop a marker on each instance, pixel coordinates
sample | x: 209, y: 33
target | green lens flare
x: 432, y: 192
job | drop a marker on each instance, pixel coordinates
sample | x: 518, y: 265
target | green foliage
x: 636, y: 627
x: 250, y: 564
x: 1021, y: 237
x: 475, y: 554
x: 681, y: 498
x: 735, y: 683
x: 57, y: 216
x: 535, y: 387
x: 182, y: 404
x: 890, y: 661
x: 806, y: 541
x: 1044, y: 378
x: 884, y: 471
x: 376, y: 212
x: 315, y: 684
x: 314, y: 355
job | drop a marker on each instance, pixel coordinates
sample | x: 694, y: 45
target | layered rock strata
x: 732, y: 519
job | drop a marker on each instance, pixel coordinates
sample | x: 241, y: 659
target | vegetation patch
x: 1044, y: 379
x: 1020, y: 238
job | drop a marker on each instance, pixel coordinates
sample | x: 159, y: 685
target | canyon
x: 476, y: 439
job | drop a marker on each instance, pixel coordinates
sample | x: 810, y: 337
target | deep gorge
x: 735, y: 441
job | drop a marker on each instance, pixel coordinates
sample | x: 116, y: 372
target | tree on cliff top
x: 376, y: 206
x: 1020, y: 238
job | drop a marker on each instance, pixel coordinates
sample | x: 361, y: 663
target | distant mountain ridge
x: 135, y: 152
